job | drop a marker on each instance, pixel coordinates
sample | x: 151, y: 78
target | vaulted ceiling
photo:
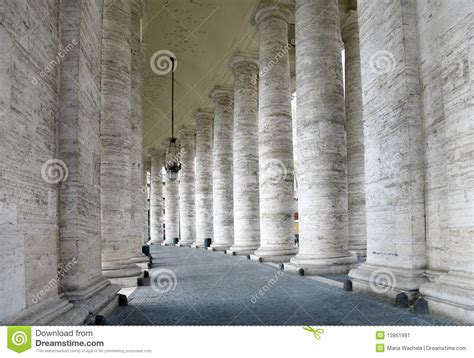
x: 202, y: 34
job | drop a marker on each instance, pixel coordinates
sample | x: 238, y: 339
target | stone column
x: 275, y: 136
x: 204, y: 230
x: 171, y: 195
x: 222, y: 175
x: 393, y: 141
x: 137, y: 190
x: 322, y: 195
x: 355, y: 137
x: 146, y: 204
x: 245, y: 149
x: 156, y: 196
x: 80, y: 267
x: 187, y: 207
x: 115, y: 132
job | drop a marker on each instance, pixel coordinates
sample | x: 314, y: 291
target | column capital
x: 241, y: 60
x: 205, y: 113
x: 283, y: 9
x: 222, y: 93
x: 187, y: 131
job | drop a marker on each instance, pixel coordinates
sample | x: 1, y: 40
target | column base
x: 313, y: 265
x: 44, y: 313
x: 99, y: 298
x: 273, y: 255
x: 219, y: 247
x: 141, y: 261
x: 451, y: 296
x: 122, y: 273
x: 242, y: 250
x: 167, y: 243
x: 387, y: 282
x: 185, y: 244
x: 156, y: 242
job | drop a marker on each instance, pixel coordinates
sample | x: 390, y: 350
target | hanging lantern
x: 173, y: 160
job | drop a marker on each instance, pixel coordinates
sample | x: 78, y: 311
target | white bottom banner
x: 219, y: 341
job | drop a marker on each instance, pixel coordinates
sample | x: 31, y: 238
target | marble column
x: 80, y: 269
x: 156, y: 196
x: 222, y: 175
x: 245, y: 154
x: 393, y: 141
x: 275, y: 136
x: 115, y: 132
x: 146, y: 203
x: 321, y: 146
x: 355, y: 137
x: 137, y: 190
x: 171, y: 195
x: 204, y: 230
x: 187, y: 218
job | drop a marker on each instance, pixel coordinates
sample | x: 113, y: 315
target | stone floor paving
x: 199, y: 287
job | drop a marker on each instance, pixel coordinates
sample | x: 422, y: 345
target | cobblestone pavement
x: 211, y: 288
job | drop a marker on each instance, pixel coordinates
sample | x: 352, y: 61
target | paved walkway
x: 198, y: 287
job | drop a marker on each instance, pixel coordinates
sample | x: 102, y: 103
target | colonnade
x: 361, y: 194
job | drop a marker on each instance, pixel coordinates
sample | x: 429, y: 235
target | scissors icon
x: 316, y: 332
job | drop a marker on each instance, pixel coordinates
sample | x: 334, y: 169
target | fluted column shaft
x: 355, y: 137
x: 137, y: 190
x: 115, y: 139
x: 322, y: 196
x: 222, y: 175
x: 275, y: 136
x: 245, y: 150
x: 204, y: 220
x: 156, y: 196
x: 186, y: 187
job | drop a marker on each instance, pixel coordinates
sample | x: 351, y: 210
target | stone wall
x: 28, y: 119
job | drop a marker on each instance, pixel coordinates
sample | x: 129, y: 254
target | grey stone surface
x: 204, y: 228
x: 245, y: 154
x: 137, y: 190
x: 187, y: 197
x: 79, y: 147
x: 275, y: 141
x: 29, y: 214
x: 115, y: 132
x: 156, y: 196
x: 321, y: 145
x: 446, y: 73
x: 357, y: 243
x: 222, y: 168
x: 393, y: 140
x: 215, y: 289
